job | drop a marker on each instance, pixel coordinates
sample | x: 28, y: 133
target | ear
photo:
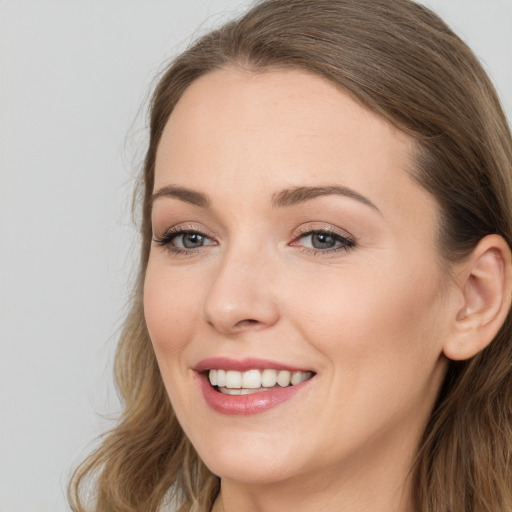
x: 485, y: 282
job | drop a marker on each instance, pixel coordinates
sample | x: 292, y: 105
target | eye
x: 323, y: 241
x: 189, y: 240
x: 320, y: 240
x: 183, y: 240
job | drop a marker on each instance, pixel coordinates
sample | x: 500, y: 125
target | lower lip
x: 246, y: 405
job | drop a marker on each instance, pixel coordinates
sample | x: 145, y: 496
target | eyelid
x: 165, y: 240
x: 185, y: 227
x: 316, y: 227
x: 347, y: 241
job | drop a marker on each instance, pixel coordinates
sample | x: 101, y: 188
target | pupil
x: 192, y: 240
x: 322, y: 241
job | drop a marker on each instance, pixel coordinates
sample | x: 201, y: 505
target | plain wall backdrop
x: 74, y: 77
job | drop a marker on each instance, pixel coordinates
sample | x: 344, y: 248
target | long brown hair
x: 403, y: 63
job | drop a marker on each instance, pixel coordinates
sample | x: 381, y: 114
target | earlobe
x: 486, y: 286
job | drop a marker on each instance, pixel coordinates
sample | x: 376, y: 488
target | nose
x: 241, y: 296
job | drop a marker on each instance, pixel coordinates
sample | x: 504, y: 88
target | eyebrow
x: 296, y: 195
x: 283, y: 198
x: 183, y: 194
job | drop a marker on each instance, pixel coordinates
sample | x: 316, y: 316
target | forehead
x: 257, y: 132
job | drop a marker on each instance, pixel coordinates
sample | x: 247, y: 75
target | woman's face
x: 290, y: 237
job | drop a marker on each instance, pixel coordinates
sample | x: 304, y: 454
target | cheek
x: 379, y: 340
x: 170, y: 312
x: 379, y: 318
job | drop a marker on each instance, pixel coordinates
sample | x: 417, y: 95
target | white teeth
x: 298, y: 377
x: 283, y: 378
x: 233, y: 382
x: 229, y: 391
x: 221, y: 378
x: 233, y: 379
x: 268, y: 378
x: 251, y: 379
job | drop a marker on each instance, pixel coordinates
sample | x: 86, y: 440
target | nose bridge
x: 241, y: 295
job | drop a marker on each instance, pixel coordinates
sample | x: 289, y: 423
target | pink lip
x: 242, y: 365
x: 246, y: 405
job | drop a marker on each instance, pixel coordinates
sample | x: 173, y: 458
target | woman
x: 321, y: 319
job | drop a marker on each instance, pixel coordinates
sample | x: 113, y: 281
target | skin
x: 370, y: 320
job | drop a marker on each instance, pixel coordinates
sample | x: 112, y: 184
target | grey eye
x: 190, y: 240
x: 325, y: 241
x: 183, y: 240
x: 322, y: 241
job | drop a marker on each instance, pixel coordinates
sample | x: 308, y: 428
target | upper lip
x: 242, y: 365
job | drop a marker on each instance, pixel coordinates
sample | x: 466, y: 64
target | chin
x: 251, y: 462
x: 250, y: 471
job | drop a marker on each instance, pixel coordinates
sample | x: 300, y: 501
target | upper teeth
x: 253, y: 379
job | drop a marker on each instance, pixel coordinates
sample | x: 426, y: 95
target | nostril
x: 247, y: 322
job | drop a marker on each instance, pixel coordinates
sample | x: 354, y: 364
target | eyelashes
x: 183, y: 241
x: 319, y: 241
x: 322, y: 241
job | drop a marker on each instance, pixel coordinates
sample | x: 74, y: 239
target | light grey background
x: 74, y: 75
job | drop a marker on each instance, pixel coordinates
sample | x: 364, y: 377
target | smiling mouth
x: 232, y: 382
